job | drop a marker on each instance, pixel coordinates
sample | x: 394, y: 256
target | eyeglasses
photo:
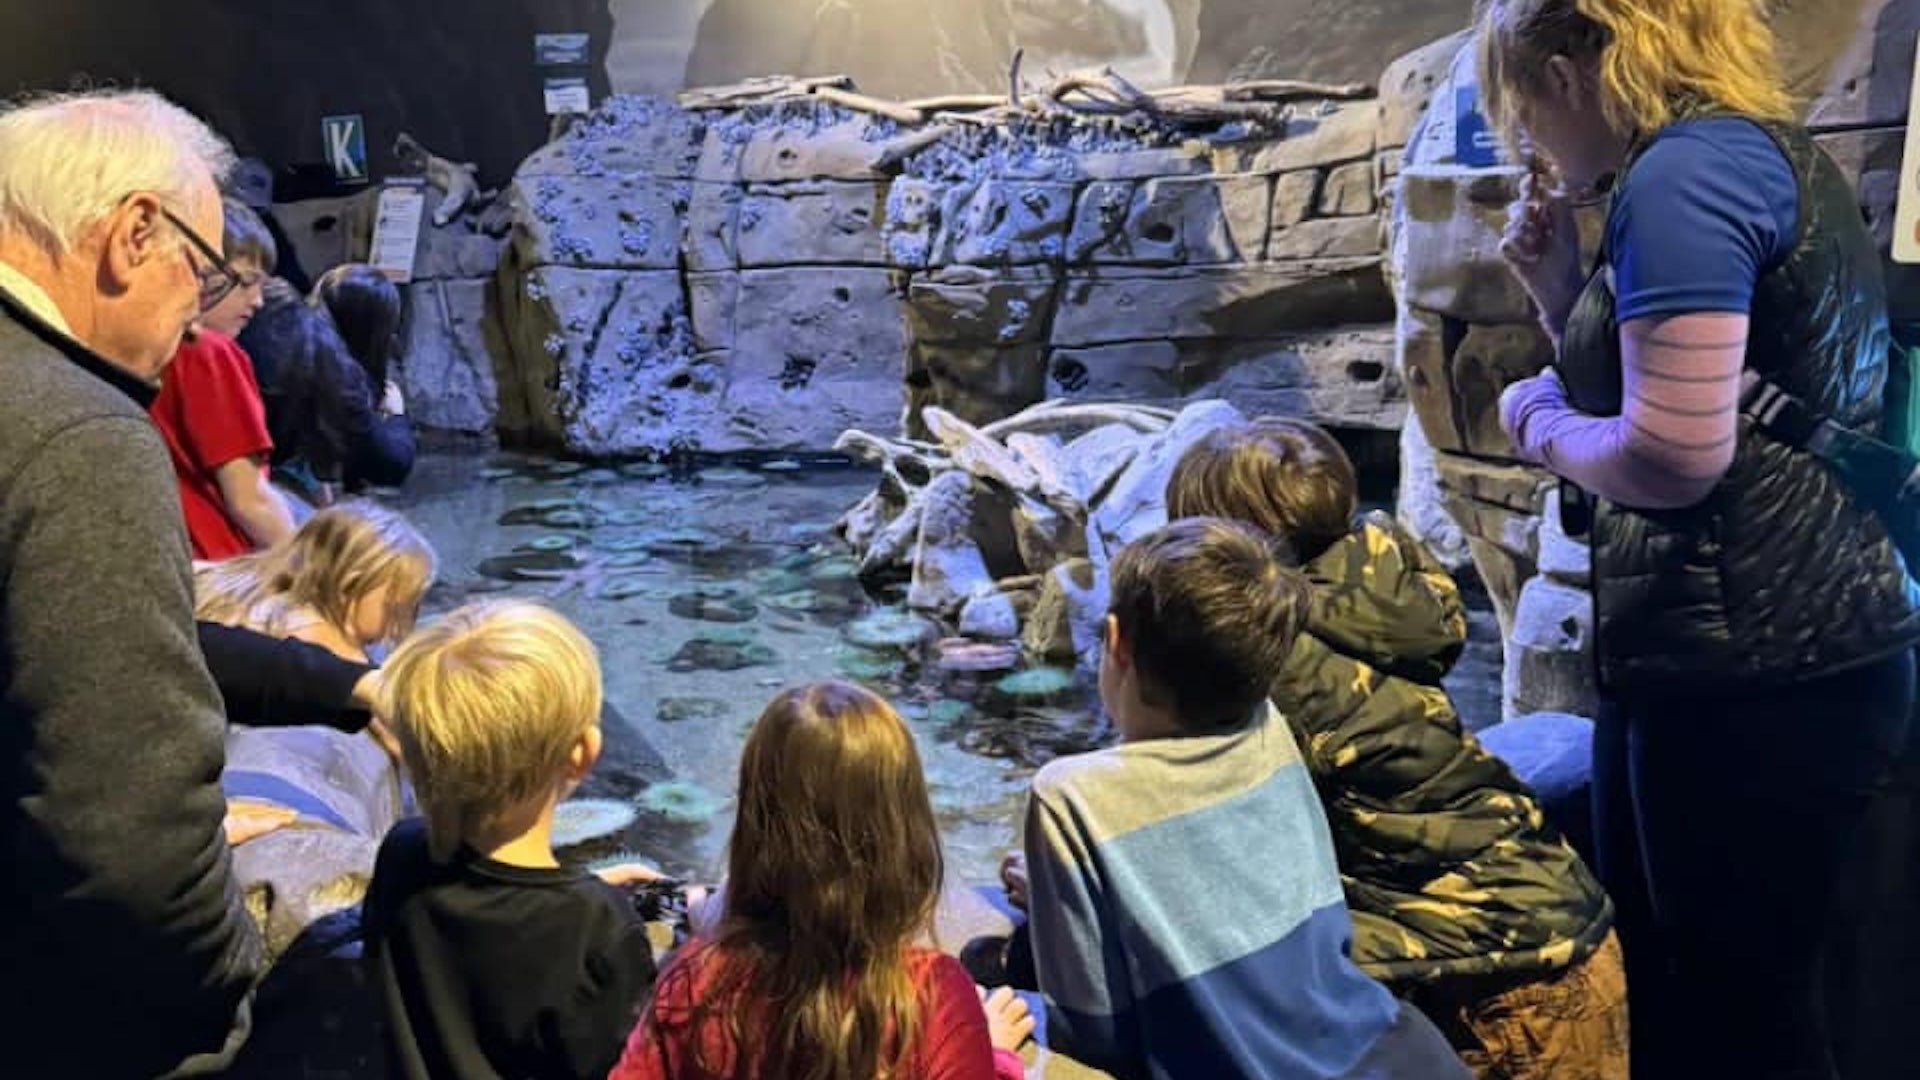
x: 217, y: 276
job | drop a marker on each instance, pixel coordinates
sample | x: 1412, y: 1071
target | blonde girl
x: 350, y: 579
x: 1753, y: 622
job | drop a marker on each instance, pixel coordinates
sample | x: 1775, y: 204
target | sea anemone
x: 682, y: 801
x: 889, y: 629
x: 1037, y: 683
x: 583, y: 821
x: 865, y: 664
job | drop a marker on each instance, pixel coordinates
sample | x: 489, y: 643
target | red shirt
x: 210, y: 413
x: 952, y: 1043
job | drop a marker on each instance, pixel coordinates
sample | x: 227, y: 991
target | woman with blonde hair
x: 1754, y: 622
x: 817, y: 970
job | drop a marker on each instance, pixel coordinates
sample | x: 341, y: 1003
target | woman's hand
x: 1542, y: 245
x: 1524, y: 402
x: 392, y: 401
x: 1013, y: 875
x: 1009, y: 1023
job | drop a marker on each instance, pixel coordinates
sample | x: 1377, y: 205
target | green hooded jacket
x: 1450, y: 868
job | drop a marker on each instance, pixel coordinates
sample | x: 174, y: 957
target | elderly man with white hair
x: 124, y: 949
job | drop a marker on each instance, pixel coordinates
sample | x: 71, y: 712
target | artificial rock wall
x: 764, y: 277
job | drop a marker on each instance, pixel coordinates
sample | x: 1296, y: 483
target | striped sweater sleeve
x: 1674, y: 438
x: 1077, y: 955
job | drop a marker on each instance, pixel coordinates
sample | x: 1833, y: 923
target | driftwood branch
x: 863, y: 103
x: 1040, y: 420
x: 972, y: 450
x: 764, y: 88
x: 956, y: 103
x: 1288, y: 89
x: 900, y: 149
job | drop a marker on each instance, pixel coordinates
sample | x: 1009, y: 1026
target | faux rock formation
x: 842, y: 262
x: 1008, y: 528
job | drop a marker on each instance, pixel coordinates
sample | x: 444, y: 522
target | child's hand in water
x: 1013, y: 875
x: 247, y: 820
x: 622, y: 875
x: 1009, y: 1024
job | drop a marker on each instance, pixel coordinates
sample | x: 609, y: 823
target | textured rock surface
x: 1550, y: 651
x: 812, y: 222
x: 840, y: 270
x: 810, y: 351
x: 1250, y: 301
x: 615, y: 370
x: 1345, y: 374
x: 1066, y: 619
x: 1419, y: 503
x: 446, y: 368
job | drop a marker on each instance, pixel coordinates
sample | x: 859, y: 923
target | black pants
x: 1761, y: 847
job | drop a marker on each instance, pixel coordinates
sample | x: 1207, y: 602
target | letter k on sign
x: 346, y: 142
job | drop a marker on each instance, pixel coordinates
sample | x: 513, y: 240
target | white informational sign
x: 1906, y: 215
x: 560, y: 50
x: 396, y: 230
x: 565, y: 96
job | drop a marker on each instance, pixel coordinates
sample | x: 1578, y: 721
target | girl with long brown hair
x: 818, y: 968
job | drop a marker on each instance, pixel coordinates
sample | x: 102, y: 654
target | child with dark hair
x: 335, y: 427
x: 210, y: 413
x: 365, y: 307
x: 1463, y: 897
x: 1185, y: 907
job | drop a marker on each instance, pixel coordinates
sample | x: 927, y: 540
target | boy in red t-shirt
x: 211, y: 415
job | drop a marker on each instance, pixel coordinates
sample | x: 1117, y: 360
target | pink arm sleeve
x: 1680, y: 413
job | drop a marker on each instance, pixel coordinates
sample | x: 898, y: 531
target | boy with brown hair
x: 210, y: 412
x: 492, y: 959
x: 1185, y: 907
x: 1464, y: 898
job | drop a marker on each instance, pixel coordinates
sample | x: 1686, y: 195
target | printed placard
x: 396, y: 229
x: 560, y: 50
x: 566, y: 96
x: 1906, y: 214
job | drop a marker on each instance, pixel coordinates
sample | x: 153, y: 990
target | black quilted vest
x: 1778, y: 575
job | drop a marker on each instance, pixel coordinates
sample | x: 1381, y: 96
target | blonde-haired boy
x: 492, y: 959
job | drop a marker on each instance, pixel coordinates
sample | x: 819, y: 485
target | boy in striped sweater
x: 1186, y: 909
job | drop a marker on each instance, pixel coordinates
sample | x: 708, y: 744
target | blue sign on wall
x: 346, y: 145
x: 1475, y: 144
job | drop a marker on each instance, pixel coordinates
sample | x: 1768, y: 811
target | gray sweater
x: 123, y: 943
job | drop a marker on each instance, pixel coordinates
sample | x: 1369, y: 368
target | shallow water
x: 706, y: 592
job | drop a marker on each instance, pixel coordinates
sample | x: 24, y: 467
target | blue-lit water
x: 706, y: 591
